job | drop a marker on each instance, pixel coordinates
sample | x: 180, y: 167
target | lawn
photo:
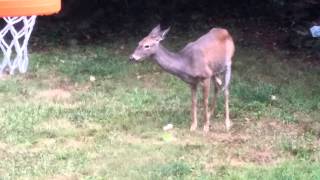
x: 86, y: 112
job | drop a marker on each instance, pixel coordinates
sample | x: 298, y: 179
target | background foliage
x: 276, y: 23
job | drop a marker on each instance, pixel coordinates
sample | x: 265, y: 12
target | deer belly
x: 217, y: 68
x: 188, y: 78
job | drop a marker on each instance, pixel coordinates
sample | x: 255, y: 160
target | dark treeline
x: 118, y: 12
x: 290, y: 20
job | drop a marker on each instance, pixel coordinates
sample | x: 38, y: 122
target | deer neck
x: 172, y: 62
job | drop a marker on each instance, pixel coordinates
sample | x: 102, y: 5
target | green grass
x: 57, y: 124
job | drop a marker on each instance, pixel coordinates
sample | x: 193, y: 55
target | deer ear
x: 164, y: 33
x: 155, y: 31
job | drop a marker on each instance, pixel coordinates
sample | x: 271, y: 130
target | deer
x: 201, y: 62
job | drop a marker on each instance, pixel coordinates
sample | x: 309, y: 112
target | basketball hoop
x: 19, y: 18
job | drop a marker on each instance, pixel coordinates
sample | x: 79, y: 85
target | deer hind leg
x: 194, y: 108
x: 206, y: 90
x: 217, y: 83
x: 226, y: 97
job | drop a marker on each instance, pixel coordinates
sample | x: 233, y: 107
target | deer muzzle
x: 133, y: 57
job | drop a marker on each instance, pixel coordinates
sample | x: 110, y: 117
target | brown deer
x: 199, y: 62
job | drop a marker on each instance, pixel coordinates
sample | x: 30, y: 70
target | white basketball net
x: 14, y: 37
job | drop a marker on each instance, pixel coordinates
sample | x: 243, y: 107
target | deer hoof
x: 193, y: 127
x: 206, y: 129
x: 228, y: 125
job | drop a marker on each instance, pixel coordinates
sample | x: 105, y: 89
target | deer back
x: 211, y: 52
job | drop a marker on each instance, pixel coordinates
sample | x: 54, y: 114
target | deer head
x: 149, y: 45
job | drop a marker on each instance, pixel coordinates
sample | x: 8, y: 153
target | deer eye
x: 146, y: 46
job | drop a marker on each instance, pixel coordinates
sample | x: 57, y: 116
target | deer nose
x: 131, y: 58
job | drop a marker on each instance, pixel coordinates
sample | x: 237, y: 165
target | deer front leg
x: 206, y: 89
x: 194, y: 108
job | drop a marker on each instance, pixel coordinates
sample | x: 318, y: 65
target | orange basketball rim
x: 28, y: 7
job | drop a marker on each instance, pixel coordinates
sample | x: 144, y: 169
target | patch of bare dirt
x: 229, y: 138
x: 4, y: 77
x: 3, y: 148
x: 63, y: 129
x: 3, y: 145
x: 76, y: 143
x: 255, y: 142
x: 54, y: 94
x: 237, y: 162
x: 42, y: 144
x: 261, y: 156
x: 63, y: 177
x: 55, y: 124
x: 61, y: 143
